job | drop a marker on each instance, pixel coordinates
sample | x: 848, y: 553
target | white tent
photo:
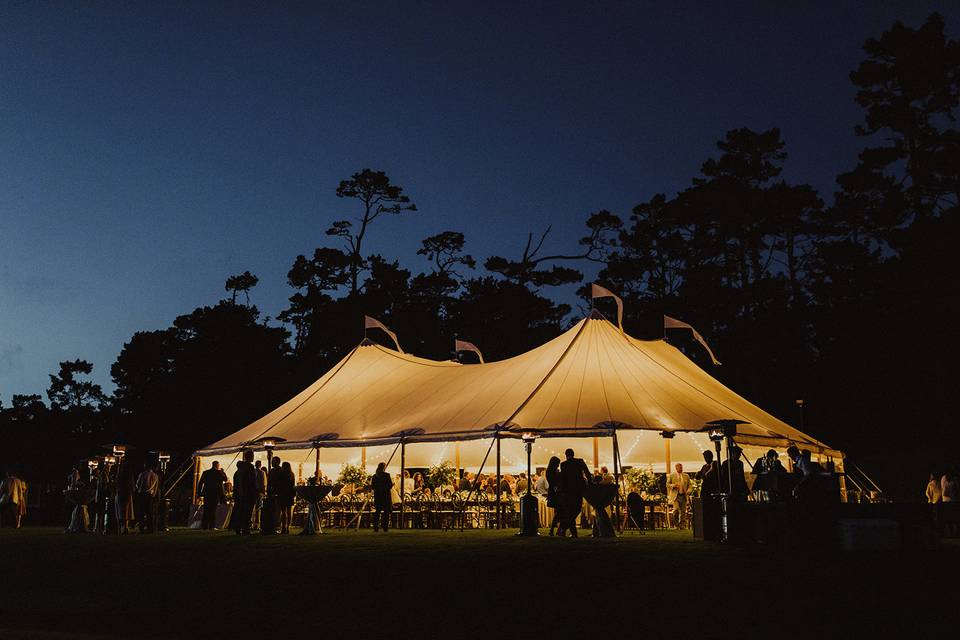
x: 590, y: 382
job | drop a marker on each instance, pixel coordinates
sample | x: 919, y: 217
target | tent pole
x: 667, y: 437
x: 403, y: 465
x: 316, y: 473
x: 596, y: 454
x: 457, y: 450
x: 476, y: 483
x: 196, y: 477
x: 498, y: 481
x: 616, y: 473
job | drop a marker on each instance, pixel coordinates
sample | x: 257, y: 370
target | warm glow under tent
x: 591, y: 381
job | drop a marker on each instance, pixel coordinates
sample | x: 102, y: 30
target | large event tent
x: 588, y: 384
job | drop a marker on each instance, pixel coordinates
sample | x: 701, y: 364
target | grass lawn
x: 192, y: 584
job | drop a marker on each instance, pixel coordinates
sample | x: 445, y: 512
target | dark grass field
x: 191, y: 584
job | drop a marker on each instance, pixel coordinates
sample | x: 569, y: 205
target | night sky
x: 148, y: 152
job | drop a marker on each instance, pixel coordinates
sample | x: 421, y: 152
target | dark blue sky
x: 148, y: 152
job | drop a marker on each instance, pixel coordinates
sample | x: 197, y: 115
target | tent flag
x: 373, y: 323
x: 596, y: 291
x: 673, y: 323
x: 463, y: 345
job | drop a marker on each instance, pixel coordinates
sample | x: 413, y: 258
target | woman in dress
x: 13, y: 497
x: 553, y: 491
x: 286, y: 492
x: 417, y: 483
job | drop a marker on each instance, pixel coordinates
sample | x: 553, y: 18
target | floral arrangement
x: 355, y: 475
x: 441, y: 474
x: 645, y: 482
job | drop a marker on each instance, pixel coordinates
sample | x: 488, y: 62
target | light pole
x: 529, y: 516
x: 799, y: 403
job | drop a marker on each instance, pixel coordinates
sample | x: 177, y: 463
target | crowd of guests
x: 122, y: 499
x: 262, y: 500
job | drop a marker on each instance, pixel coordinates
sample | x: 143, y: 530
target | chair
x: 636, y: 511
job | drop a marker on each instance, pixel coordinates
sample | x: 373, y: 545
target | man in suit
x: 211, y: 488
x: 574, y: 478
x: 678, y: 488
x: 244, y: 493
x: 382, y: 501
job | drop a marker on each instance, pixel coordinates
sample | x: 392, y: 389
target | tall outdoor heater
x: 721, y: 430
x: 719, y: 499
x: 268, y: 521
x: 163, y: 505
x: 529, y: 515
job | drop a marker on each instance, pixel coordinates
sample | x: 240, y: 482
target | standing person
x: 13, y: 497
x: 949, y: 487
x: 382, y: 497
x: 286, y: 494
x: 554, y: 499
x: 261, y: 492
x: 934, y: 493
x: 147, y: 487
x: 244, y: 493
x: 678, y: 489
x: 732, y: 468
x: 124, y: 496
x: 211, y: 488
x: 574, y: 478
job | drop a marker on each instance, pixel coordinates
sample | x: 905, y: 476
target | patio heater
x: 163, y: 504
x: 110, y: 501
x: 92, y: 465
x: 529, y: 516
x: 268, y: 522
x: 716, y: 437
x: 721, y: 430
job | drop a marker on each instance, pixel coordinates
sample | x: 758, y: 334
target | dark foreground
x: 187, y: 584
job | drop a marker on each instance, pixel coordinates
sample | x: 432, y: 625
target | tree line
x: 843, y: 300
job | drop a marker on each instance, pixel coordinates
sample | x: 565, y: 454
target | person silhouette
x: 574, y: 478
x: 382, y: 500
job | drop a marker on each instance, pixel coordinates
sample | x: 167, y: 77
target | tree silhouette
x: 527, y: 271
x: 243, y: 282
x: 377, y: 196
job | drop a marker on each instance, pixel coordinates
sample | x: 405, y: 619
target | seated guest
x: 505, y: 489
x: 541, y: 485
x: 418, y: 484
x: 521, y: 487
x: 466, y: 482
x: 606, y: 477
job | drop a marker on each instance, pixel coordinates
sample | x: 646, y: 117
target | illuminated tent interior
x: 577, y: 391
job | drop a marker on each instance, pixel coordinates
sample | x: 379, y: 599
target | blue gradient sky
x: 148, y: 152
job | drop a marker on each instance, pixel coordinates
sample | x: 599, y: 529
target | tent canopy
x: 590, y: 380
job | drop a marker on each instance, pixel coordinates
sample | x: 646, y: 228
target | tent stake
x: 498, y: 481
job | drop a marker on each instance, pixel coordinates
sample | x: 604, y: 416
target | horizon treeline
x: 844, y: 300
